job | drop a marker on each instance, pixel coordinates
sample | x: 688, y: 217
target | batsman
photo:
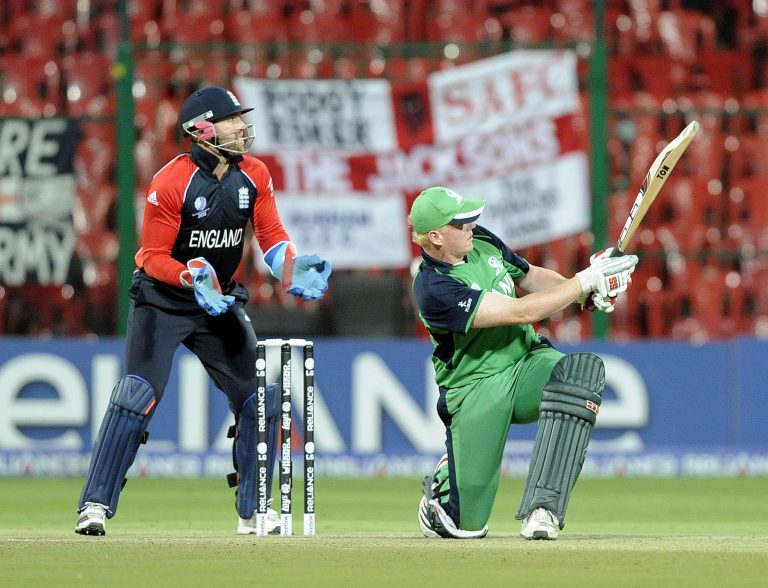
x: 493, y: 369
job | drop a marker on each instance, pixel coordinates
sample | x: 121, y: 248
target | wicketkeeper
x: 197, y: 209
x: 493, y: 369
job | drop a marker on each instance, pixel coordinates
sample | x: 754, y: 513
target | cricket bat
x: 654, y: 180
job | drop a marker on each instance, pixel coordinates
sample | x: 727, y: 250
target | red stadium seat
x: 187, y: 28
x: 455, y: 26
x: 705, y: 156
x: 94, y: 207
x: 747, y: 216
x: 88, y: 84
x: 151, y: 76
x: 94, y: 162
x: 29, y: 86
x: 57, y: 310
x: 577, y: 20
x: 408, y: 68
x: 210, y: 8
x: 380, y: 22
x: 308, y: 26
x: 747, y: 155
x: 104, y: 35
x: 689, y: 201
x: 528, y: 24
x: 729, y: 73
x: 661, y: 76
x: 684, y: 33
x: 620, y: 83
x: 144, y: 20
x: 253, y: 27
x: 39, y: 35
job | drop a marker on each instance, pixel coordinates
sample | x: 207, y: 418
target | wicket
x: 285, y: 479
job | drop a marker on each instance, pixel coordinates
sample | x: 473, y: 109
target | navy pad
x: 245, y: 449
x: 123, y: 429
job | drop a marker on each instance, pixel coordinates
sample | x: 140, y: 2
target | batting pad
x: 569, y: 405
x: 123, y: 429
x: 245, y: 450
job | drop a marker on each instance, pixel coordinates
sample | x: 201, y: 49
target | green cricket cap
x: 438, y: 206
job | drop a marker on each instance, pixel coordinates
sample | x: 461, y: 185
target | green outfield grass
x: 620, y: 532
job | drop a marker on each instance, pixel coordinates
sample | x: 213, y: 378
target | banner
x: 37, y: 189
x: 337, y: 114
x: 352, y: 231
x: 513, y: 87
x: 507, y: 129
x: 669, y: 409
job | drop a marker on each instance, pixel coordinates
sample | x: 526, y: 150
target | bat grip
x: 616, y: 252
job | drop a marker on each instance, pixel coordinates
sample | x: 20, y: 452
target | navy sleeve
x: 507, y: 254
x: 445, y: 303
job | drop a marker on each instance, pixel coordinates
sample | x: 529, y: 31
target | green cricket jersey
x: 448, y: 297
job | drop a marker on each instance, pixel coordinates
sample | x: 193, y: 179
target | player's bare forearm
x: 497, y: 309
x: 541, y: 278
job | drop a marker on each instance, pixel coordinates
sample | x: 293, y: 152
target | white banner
x: 512, y: 87
x: 354, y: 115
x: 350, y: 231
x: 535, y: 206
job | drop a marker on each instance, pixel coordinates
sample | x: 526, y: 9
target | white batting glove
x: 602, y: 303
x: 592, y: 301
x: 600, y: 254
x: 608, y: 276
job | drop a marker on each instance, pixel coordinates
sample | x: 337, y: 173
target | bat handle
x: 616, y: 252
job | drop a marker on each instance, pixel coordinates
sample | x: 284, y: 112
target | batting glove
x: 608, y: 276
x: 592, y: 301
x: 602, y: 254
x: 207, y: 289
x: 598, y: 302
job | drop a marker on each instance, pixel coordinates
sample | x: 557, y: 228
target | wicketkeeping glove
x: 207, y: 289
x: 310, y: 277
x: 305, y: 276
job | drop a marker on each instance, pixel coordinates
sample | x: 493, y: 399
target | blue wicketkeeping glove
x: 310, y: 277
x: 207, y: 289
x: 305, y: 276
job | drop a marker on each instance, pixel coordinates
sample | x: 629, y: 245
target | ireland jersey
x: 448, y: 297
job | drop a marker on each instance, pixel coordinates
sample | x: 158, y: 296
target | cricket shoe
x: 248, y: 526
x: 93, y: 519
x: 540, y: 524
x: 434, y: 522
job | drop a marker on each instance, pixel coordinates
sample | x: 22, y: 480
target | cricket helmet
x: 210, y: 105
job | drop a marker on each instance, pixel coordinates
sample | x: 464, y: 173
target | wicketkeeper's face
x: 233, y: 134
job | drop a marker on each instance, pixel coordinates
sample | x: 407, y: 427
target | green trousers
x: 477, y: 418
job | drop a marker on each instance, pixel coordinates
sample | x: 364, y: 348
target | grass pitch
x: 627, y: 532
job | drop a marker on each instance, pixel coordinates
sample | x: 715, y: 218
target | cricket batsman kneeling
x: 493, y: 369
x: 197, y: 209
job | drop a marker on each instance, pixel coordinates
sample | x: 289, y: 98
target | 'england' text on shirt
x: 215, y: 238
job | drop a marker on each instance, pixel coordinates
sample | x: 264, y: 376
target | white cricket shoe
x: 434, y: 522
x: 93, y: 519
x: 248, y: 526
x: 540, y: 524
